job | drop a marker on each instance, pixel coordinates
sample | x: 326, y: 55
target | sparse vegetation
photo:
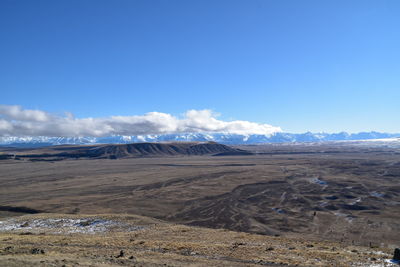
x: 158, y: 243
x: 308, y: 209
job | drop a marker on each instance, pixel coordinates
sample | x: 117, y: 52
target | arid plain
x: 344, y: 194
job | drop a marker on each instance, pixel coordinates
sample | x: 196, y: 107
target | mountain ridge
x: 115, y: 151
x: 223, y: 138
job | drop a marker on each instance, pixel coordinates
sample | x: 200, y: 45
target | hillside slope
x: 130, y: 240
x: 115, y: 151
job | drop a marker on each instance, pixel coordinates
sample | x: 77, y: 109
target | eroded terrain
x: 327, y: 193
x: 140, y: 241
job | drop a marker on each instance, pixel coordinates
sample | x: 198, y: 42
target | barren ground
x: 143, y: 241
x: 317, y: 193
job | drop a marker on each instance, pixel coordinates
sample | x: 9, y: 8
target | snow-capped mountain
x: 217, y: 137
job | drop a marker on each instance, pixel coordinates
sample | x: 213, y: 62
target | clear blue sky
x: 301, y: 65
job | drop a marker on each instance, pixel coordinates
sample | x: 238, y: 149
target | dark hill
x: 157, y: 149
x: 133, y: 150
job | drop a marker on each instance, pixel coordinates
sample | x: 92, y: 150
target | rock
x: 85, y: 223
x: 37, y: 251
x: 237, y: 244
x: 396, y: 254
x: 185, y: 252
x: 26, y: 233
x: 25, y: 224
x: 121, y: 254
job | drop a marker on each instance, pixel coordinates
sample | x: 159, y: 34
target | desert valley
x: 274, y: 203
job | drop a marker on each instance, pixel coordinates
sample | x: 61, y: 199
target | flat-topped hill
x: 115, y: 151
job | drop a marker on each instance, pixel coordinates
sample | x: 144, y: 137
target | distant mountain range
x: 231, y: 139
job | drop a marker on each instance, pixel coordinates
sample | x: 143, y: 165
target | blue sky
x: 301, y: 65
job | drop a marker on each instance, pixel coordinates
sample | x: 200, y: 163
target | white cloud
x: 5, y: 127
x: 16, y: 121
x: 17, y: 113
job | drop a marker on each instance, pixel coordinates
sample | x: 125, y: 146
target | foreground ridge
x: 129, y: 240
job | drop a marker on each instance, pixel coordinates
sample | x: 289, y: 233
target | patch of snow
x: 376, y: 194
x: 126, y: 138
x: 381, y: 253
x: 65, y: 225
x: 318, y: 181
x: 278, y: 210
x: 379, y: 263
x: 348, y: 217
x: 355, y: 201
x: 323, y: 204
x: 140, y: 138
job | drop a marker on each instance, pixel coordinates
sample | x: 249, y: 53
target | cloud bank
x: 16, y: 121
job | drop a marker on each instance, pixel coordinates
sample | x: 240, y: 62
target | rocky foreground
x: 126, y: 240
